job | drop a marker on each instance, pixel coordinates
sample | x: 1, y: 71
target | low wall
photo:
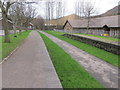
x: 102, y: 45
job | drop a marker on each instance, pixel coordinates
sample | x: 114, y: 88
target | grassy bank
x: 104, y: 55
x: 102, y: 37
x: 8, y: 47
x: 70, y: 73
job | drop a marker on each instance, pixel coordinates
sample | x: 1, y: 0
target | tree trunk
x: 5, y: 27
x: 20, y: 31
x: 15, y: 25
x: 88, y: 22
x: 26, y: 27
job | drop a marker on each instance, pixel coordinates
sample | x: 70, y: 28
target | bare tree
x: 13, y: 17
x: 5, y: 7
x: 38, y: 22
x: 63, y: 11
x: 49, y: 11
x: 54, y: 9
x: 78, y: 8
x: 16, y: 14
x: 88, y: 10
x: 29, y: 14
x: 21, y: 17
x: 26, y: 16
x: 58, y: 12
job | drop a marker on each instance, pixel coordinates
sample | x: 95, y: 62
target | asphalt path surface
x: 30, y: 66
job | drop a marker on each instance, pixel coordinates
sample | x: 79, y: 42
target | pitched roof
x: 110, y: 21
x: 30, y: 24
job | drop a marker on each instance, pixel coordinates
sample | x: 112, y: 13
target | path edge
x: 50, y: 59
x: 5, y: 59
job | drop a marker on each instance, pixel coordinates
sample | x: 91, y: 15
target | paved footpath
x: 30, y: 66
x: 105, y: 73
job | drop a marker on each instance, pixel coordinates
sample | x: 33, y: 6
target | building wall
x: 48, y: 27
x: 94, y: 31
x: 115, y: 32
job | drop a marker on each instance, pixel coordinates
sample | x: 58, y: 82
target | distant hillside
x: 72, y: 16
x: 113, y: 11
x: 61, y: 21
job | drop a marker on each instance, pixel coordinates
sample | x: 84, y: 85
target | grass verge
x: 8, y: 47
x: 102, y: 37
x: 70, y: 73
x: 102, y: 54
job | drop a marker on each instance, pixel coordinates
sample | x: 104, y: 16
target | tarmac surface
x: 30, y: 66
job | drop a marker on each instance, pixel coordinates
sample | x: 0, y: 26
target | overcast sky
x: 101, y: 5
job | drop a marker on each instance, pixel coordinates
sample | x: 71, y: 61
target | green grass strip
x: 102, y: 54
x: 70, y: 73
x: 15, y: 41
x: 102, y: 37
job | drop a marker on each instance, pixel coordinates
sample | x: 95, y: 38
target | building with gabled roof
x: 108, y: 23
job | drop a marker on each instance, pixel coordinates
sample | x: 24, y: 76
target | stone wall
x: 102, y: 45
